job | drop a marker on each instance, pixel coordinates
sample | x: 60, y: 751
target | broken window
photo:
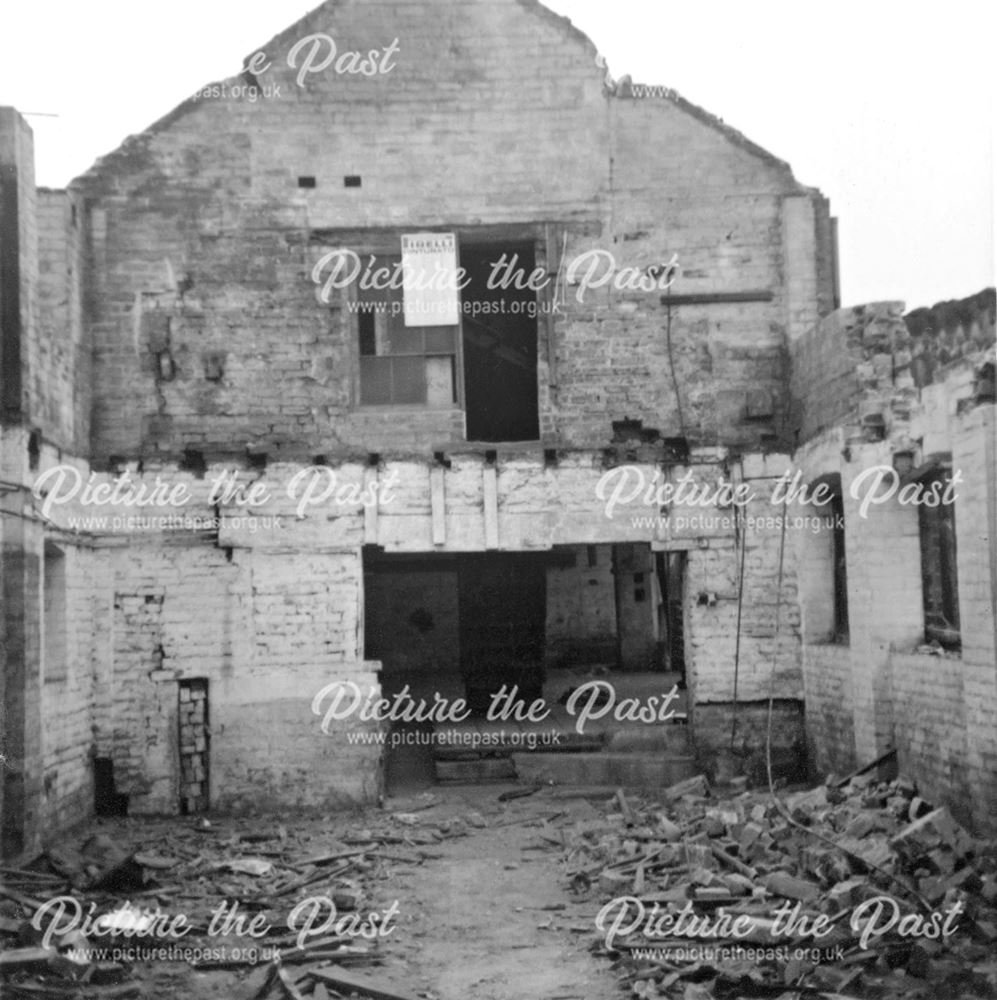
x: 402, y: 365
x: 939, y: 578
x: 823, y: 566
x: 500, y: 343
x: 486, y: 364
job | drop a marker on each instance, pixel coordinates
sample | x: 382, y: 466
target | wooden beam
x: 717, y: 298
x: 490, y: 489
x: 437, y: 498
x: 349, y: 982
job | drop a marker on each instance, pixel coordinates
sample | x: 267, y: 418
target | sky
x: 886, y: 106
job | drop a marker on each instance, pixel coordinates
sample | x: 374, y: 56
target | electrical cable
x: 671, y: 359
x: 737, y: 640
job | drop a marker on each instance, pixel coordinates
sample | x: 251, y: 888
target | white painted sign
x: 431, y: 279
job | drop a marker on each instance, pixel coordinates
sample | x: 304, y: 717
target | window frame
x: 945, y: 554
x: 824, y: 549
x: 352, y: 311
x: 841, y: 632
x: 54, y: 614
x: 546, y: 238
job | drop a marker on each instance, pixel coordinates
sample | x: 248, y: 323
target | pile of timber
x: 127, y: 874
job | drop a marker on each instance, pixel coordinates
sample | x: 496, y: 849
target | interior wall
x: 581, y: 607
x: 637, y: 600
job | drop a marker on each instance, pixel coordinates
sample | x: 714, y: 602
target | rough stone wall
x: 202, y: 243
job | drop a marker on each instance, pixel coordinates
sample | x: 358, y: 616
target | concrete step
x: 473, y: 772
x: 669, y: 738
x: 649, y: 771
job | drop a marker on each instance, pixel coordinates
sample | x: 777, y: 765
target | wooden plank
x: 347, y: 982
x: 437, y: 498
x: 550, y: 300
x: 370, y: 512
x: 489, y: 769
x: 19, y: 957
x: 859, y: 771
x: 717, y: 298
x: 490, y: 490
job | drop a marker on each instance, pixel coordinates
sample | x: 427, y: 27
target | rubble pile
x: 280, y: 912
x: 854, y: 889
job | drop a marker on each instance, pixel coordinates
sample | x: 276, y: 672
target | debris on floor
x: 847, y: 891
x: 280, y: 912
x: 844, y: 891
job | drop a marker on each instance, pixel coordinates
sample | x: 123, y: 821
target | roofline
x: 617, y: 91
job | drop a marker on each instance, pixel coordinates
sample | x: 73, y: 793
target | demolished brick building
x: 438, y: 501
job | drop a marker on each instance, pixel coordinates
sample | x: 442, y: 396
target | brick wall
x: 18, y: 265
x: 768, y: 660
x: 881, y: 687
x: 46, y: 630
x: 267, y: 633
x: 927, y: 695
x: 67, y: 690
x: 740, y: 739
x: 827, y: 683
x: 207, y: 336
x: 829, y: 367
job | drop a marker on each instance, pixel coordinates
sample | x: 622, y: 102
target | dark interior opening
x: 836, y: 512
x: 465, y: 624
x: 500, y: 346
x: 939, y: 577
x: 671, y: 568
x: 107, y: 800
x: 503, y: 616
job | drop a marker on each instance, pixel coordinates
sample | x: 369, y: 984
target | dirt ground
x: 491, y: 919
x: 486, y: 916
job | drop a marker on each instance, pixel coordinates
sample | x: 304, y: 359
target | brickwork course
x: 161, y: 318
